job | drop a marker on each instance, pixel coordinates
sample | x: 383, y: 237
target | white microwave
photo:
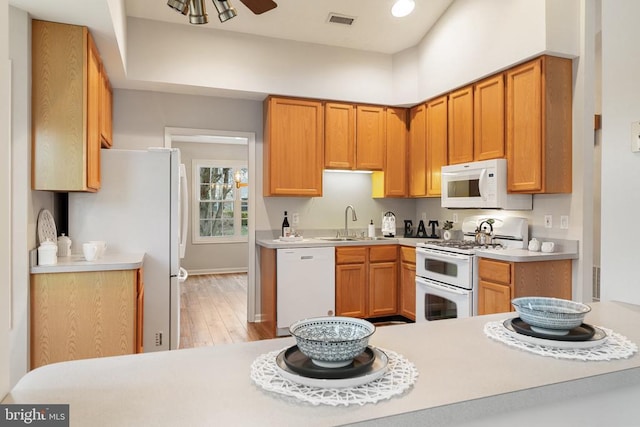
x: 480, y: 185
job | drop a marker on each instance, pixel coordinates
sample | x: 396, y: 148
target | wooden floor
x: 213, y: 311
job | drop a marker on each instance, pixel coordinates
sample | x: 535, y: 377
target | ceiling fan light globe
x: 181, y: 6
x: 227, y: 14
x: 197, y: 12
x: 402, y: 8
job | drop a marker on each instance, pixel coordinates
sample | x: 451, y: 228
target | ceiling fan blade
x: 259, y: 6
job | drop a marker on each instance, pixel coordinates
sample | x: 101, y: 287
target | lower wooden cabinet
x: 407, y: 300
x: 501, y: 281
x: 82, y: 315
x: 367, y: 281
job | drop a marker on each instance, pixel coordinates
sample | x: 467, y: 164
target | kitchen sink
x: 351, y: 239
x: 338, y: 239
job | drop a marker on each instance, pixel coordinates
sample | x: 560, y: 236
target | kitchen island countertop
x: 77, y: 263
x: 464, y: 378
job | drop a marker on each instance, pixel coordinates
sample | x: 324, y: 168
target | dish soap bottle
x: 371, y: 231
x: 286, y: 230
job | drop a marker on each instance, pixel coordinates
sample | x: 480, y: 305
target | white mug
x: 90, y: 251
x: 547, y: 246
x: 101, y: 245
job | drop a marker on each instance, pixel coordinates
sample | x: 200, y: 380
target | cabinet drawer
x: 494, y: 271
x: 383, y: 253
x: 408, y: 254
x: 351, y: 255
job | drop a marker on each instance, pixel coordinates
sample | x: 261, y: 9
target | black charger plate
x: 301, y: 364
x: 583, y: 332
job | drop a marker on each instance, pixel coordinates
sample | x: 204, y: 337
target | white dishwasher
x: 305, y: 285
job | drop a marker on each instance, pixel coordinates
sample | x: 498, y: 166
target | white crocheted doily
x: 400, y: 376
x: 615, y: 347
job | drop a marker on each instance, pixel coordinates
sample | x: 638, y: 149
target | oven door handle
x: 442, y: 286
x: 439, y: 256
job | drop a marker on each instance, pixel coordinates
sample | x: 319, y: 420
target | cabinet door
x: 408, y: 290
x: 140, y: 312
x: 524, y: 127
x: 82, y: 315
x: 418, y: 151
x: 94, y: 88
x: 488, y: 120
x: 436, y: 144
x: 395, y: 169
x: 460, y: 138
x: 293, y: 157
x: 370, y: 137
x: 493, y: 298
x: 339, y: 135
x: 106, y: 110
x: 351, y: 285
x: 383, y: 289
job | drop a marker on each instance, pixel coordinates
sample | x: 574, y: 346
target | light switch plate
x: 295, y: 218
x: 455, y: 217
x: 635, y: 137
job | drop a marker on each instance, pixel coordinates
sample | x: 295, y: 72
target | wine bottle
x: 286, y: 230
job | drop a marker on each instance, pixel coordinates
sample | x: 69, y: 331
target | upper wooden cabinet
x: 460, y: 138
x: 67, y: 81
x: 371, y: 125
x: 106, y: 111
x: 339, y: 135
x: 488, y: 118
x: 418, y: 151
x: 392, y: 182
x: 436, y: 143
x: 355, y: 136
x: 539, y: 126
x: 293, y: 147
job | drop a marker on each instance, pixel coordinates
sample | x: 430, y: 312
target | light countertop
x: 465, y: 378
x: 565, y: 249
x: 77, y: 263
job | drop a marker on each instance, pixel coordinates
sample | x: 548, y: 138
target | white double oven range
x: 447, y: 270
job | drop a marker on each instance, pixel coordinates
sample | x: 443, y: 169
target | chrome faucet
x: 354, y: 217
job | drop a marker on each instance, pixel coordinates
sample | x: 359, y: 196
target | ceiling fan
x: 198, y: 13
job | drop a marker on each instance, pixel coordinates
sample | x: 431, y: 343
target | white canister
x: 534, y: 245
x: 47, y: 253
x: 64, y: 245
x: 547, y: 247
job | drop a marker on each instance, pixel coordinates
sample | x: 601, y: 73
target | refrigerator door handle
x: 184, y: 274
x: 184, y: 209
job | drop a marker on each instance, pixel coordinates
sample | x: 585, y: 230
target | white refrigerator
x: 141, y: 207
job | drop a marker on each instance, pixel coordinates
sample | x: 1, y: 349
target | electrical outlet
x: 564, y: 222
x: 295, y: 218
x: 158, y: 339
x: 548, y: 221
x: 455, y: 217
x: 635, y: 137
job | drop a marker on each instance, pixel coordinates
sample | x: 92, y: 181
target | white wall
x: 247, y: 63
x: 5, y: 202
x: 620, y: 167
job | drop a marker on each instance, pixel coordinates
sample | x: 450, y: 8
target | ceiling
x: 374, y: 28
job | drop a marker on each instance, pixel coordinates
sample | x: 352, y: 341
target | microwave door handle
x: 482, y: 183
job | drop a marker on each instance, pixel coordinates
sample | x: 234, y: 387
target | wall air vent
x: 336, y: 18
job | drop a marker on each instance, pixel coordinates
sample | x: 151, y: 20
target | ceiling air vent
x: 336, y: 18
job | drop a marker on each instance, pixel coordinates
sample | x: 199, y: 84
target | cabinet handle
x: 306, y: 257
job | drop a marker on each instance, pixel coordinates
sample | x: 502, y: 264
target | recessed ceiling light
x: 403, y: 8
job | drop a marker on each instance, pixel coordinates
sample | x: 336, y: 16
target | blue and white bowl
x: 551, y: 315
x: 332, y: 342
